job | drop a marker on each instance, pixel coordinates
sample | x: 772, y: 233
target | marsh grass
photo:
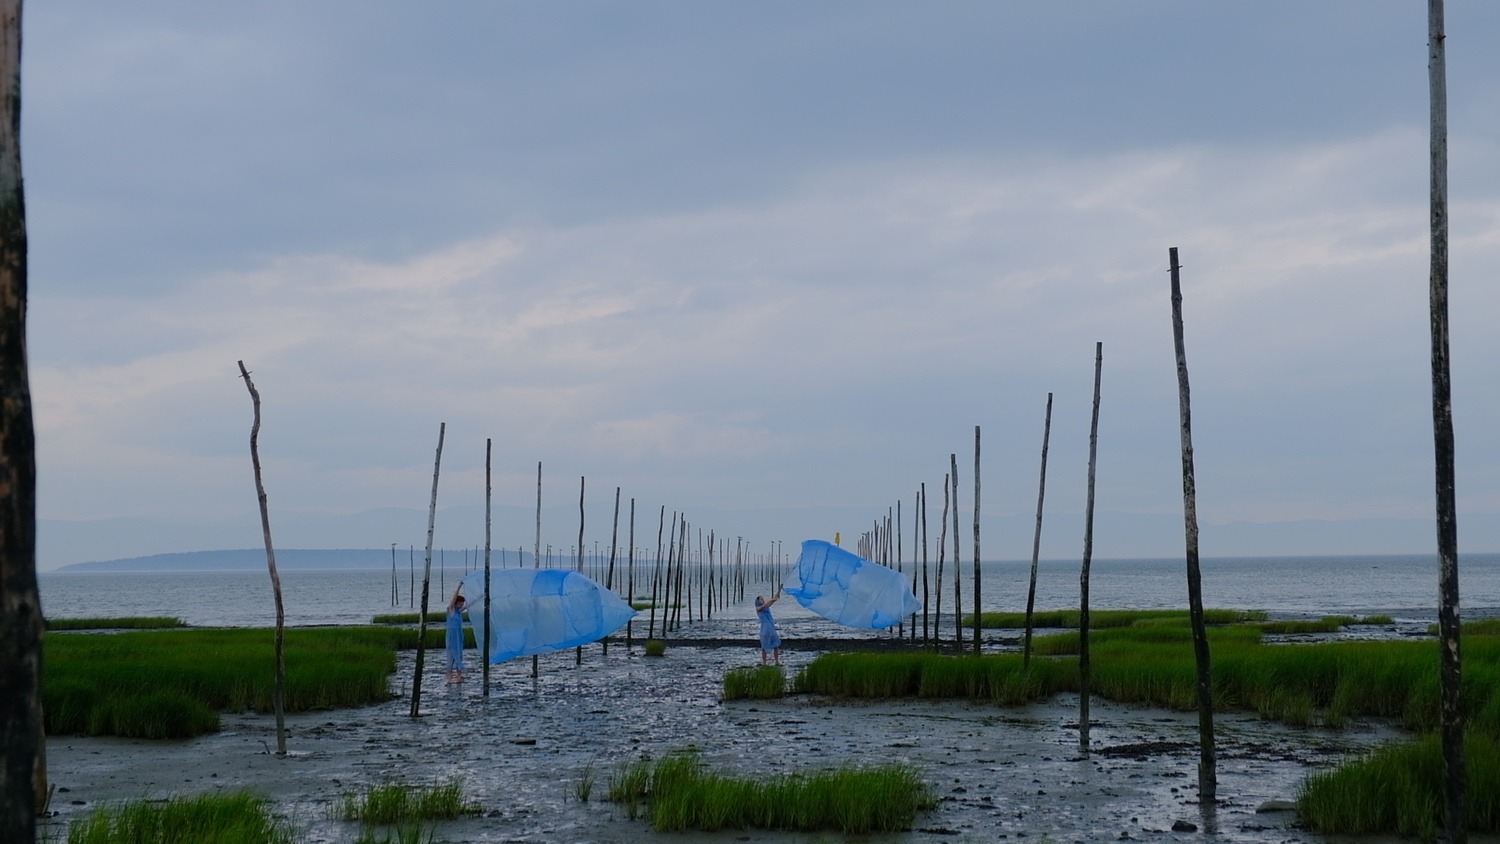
x: 396, y: 803
x: 229, y: 818
x: 123, y: 623
x: 1398, y: 788
x: 409, y: 618
x: 677, y: 794
x: 998, y: 678
x: 173, y: 683
x: 656, y: 647
x: 762, y: 682
x: 1102, y: 619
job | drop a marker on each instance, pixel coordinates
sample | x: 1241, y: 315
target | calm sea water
x: 1402, y: 586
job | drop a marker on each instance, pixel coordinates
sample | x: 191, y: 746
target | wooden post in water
x: 926, y: 590
x: 278, y: 694
x: 578, y: 563
x: 609, y: 576
x: 976, y: 539
x: 1455, y: 808
x: 661, y: 521
x: 416, y: 683
x: 958, y: 574
x: 1207, y: 764
x: 937, y: 610
x: 1036, y: 538
x: 484, y: 647
x: 536, y: 553
x: 1085, y: 669
x: 630, y: 581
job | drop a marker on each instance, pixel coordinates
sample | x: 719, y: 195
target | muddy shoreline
x: 1002, y: 774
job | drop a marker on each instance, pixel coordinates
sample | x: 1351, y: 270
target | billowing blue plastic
x: 848, y: 589
x: 537, y: 611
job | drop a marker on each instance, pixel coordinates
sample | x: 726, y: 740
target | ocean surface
x: 1403, y: 586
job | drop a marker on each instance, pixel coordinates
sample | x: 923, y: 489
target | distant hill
x: 255, y: 558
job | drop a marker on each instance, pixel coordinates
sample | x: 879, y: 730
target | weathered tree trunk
x: 1455, y: 808
x: 278, y: 694
x: 1036, y: 538
x: 1208, y: 778
x: 416, y: 683
x: 1085, y: 669
x: 484, y: 647
x: 976, y: 539
x: 23, y: 768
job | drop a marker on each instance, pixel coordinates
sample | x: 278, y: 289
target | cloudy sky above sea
x: 750, y: 255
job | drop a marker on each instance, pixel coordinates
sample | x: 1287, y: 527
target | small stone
x: 1184, y: 826
x: 1276, y: 806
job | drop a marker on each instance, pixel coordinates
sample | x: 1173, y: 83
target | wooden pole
x: 24, y: 792
x: 630, y: 580
x: 661, y: 520
x: 976, y: 539
x: 416, y: 683
x: 278, y: 694
x: 958, y: 576
x: 609, y: 576
x: 1085, y: 670
x: 536, y: 553
x: 937, y: 610
x: 926, y: 583
x: 1455, y: 808
x: 484, y: 647
x: 1036, y: 538
x: 578, y: 563
x: 1207, y: 763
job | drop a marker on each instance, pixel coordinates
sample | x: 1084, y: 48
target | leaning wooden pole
x: 1085, y: 669
x: 1208, y: 779
x: 609, y: 576
x: 23, y: 750
x: 1036, y: 538
x: 1455, y: 809
x: 976, y: 539
x: 278, y: 694
x: 416, y: 682
x: 484, y: 647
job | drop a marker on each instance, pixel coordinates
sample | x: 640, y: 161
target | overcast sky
x: 749, y: 255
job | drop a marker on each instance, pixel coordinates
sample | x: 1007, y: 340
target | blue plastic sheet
x: 850, y: 590
x: 537, y: 611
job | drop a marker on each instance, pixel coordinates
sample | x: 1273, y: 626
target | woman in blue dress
x: 770, y: 640
x: 455, y: 639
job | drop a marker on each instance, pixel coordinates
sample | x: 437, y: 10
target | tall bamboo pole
x: 609, y: 576
x: 416, y: 683
x: 578, y: 563
x: 926, y: 583
x: 278, y: 694
x: 661, y: 520
x: 1455, y: 808
x: 937, y: 610
x: 536, y: 553
x: 1085, y: 670
x: 484, y: 647
x: 24, y: 792
x: 976, y: 539
x: 630, y: 580
x: 1036, y: 538
x: 1208, y: 787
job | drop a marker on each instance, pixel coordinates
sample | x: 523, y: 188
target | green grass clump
x: 761, y: 682
x: 1102, y: 619
x: 1398, y: 789
x: 642, y: 605
x: 233, y: 818
x: 122, y: 623
x: 409, y: 618
x: 400, y: 803
x: 172, y: 683
x: 678, y: 794
x: 998, y: 678
x: 656, y: 647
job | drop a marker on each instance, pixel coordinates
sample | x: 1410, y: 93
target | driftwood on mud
x: 416, y: 682
x: 1207, y: 762
x: 278, y: 694
x: 1455, y: 810
x: 1036, y: 538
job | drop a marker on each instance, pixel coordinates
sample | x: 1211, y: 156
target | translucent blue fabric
x: 850, y: 590
x: 536, y: 611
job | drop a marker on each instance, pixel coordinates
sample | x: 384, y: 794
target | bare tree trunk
x: 1455, y: 808
x: 416, y: 683
x: 23, y: 774
x: 278, y: 695
x: 1208, y: 778
x: 1085, y: 670
x: 976, y: 539
x: 484, y: 647
x: 1036, y: 538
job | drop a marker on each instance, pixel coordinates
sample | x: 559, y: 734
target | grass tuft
x: 124, y: 623
x: 395, y: 803
x: 656, y: 647
x: 231, y: 818
x: 762, y: 682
